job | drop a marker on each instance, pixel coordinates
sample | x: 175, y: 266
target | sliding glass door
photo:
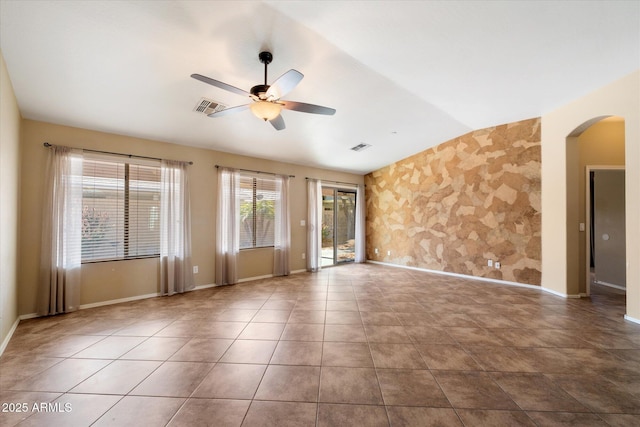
x: 338, y: 225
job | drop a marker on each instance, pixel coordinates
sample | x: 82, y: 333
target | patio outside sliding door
x: 338, y: 225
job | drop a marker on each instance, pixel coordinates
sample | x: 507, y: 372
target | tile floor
x: 364, y: 345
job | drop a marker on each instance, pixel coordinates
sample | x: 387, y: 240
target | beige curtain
x: 176, y: 271
x: 227, y: 227
x: 314, y: 224
x: 61, y: 251
x: 361, y: 252
x: 282, y: 230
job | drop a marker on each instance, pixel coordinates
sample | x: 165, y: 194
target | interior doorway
x: 606, y: 234
x: 338, y: 225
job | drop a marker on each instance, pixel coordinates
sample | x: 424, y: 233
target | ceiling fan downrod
x: 266, y: 58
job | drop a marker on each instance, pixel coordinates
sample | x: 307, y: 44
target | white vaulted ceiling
x: 403, y: 76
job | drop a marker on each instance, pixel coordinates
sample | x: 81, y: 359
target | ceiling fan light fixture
x: 266, y: 110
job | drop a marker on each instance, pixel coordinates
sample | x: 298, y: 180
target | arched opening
x: 596, y: 206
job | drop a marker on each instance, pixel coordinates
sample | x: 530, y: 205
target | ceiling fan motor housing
x: 260, y: 90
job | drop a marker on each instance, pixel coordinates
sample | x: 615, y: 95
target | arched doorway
x: 595, y: 159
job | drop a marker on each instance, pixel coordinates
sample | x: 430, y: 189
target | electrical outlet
x: 490, y: 263
x: 388, y: 253
x: 303, y: 255
x: 376, y: 251
x: 195, y: 269
x: 498, y: 265
x: 303, y: 223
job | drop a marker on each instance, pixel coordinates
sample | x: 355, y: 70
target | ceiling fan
x: 267, y: 104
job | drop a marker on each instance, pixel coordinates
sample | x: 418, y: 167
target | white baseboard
x: 631, y: 319
x: 29, y: 316
x: 117, y: 301
x: 610, y: 285
x: 482, y: 279
x: 267, y: 276
x: 562, y: 294
x: 250, y: 279
x: 6, y: 340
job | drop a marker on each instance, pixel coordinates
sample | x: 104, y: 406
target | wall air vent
x: 360, y: 147
x: 207, y: 106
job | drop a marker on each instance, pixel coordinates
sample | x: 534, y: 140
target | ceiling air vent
x: 207, y: 106
x: 360, y: 147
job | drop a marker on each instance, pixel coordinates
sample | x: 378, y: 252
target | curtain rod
x: 254, y: 171
x: 46, y: 144
x: 334, y: 182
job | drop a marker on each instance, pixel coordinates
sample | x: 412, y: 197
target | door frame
x: 336, y: 189
x: 588, y: 206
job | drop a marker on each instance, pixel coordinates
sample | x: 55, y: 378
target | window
x: 120, y: 208
x: 257, y: 211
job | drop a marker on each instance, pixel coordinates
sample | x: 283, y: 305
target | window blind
x: 121, y: 208
x: 257, y: 196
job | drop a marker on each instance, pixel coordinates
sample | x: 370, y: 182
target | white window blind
x: 257, y: 211
x: 120, y: 208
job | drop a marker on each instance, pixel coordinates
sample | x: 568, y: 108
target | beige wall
x: 128, y: 279
x: 466, y: 201
x: 9, y: 202
x: 560, y: 128
x: 602, y: 144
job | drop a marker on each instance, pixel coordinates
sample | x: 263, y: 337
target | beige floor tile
x: 535, y: 392
x: 202, y: 412
x: 410, y: 387
x: 303, y: 332
x: 231, y: 381
x: 134, y: 411
x: 173, y: 379
x: 449, y: 357
x: 62, y: 376
x: 349, y: 385
x: 567, y: 419
x: 264, y: 331
x: 272, y: 316
x: 249, y: 351
x: 344, y: 354
x: 297, y: 353
x: 343, y: 318
x: 396, y: 356
x: 422, y: 417
x: 484, y: 417
x: 386, y: 334
x: 119, y: 377
x: 202, y: 350
x: 335, y: 415
x: 156, y: 348
x: 290, y: 383
x: 473, y: 390
x: 345, y: 333
x: 269, y: 414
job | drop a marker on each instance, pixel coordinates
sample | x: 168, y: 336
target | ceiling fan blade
x: 220, y: 85
x: 229, y: 110
x: 284, y: 84
x: 278, y: 122
x: 307, y: 108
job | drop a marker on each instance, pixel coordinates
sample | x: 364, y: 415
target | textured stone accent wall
x: 455, y: 206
